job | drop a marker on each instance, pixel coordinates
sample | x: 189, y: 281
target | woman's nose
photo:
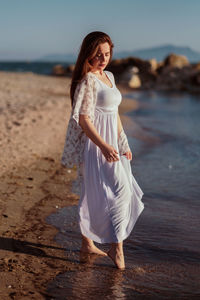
x: 103, y: 58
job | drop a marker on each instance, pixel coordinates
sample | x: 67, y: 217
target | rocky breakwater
x: 60, y: 70
x: 174, y: 73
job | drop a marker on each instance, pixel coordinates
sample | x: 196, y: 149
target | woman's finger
x: 116, y: 157
x: 113, y: 158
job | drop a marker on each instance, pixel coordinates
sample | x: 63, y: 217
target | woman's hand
x: 110, y: 153
x: 128, y: 155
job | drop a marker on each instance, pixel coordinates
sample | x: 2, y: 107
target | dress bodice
x: 108, y: 98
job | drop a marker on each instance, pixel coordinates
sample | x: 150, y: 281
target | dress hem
x: 103, y: 241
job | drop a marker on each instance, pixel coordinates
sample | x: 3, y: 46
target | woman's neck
x: 100, y: 73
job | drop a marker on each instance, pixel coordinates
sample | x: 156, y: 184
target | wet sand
x: 34, y: 112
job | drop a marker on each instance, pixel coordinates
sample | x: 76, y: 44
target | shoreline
x: 33, y: 182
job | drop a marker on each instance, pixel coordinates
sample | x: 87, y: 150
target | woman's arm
x: 90, y: 130
x: 88, y: 127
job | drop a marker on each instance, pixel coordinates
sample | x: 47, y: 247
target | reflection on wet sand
x: 89, y: 281
x: 93, y: 284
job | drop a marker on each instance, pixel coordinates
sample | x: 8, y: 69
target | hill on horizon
x: 157, y: 52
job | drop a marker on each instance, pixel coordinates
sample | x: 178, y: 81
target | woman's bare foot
x: 117, y: 256
x: 88, y: 246
x: 87, y: 258
x: 92, y: 249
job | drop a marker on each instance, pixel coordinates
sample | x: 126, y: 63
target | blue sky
x: 32, y: 28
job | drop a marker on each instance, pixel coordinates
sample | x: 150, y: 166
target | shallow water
x: 162, y: 253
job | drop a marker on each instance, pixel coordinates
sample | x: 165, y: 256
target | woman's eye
x: 98, y: 55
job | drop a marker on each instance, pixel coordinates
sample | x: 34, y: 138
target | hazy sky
x: 30, y: 29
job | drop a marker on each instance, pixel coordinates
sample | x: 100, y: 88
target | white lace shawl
x: 85, y: 97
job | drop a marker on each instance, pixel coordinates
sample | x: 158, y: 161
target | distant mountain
x: 158, y: 52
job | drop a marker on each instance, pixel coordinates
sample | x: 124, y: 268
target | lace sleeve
x: 84, y: 103
x: 84, y: 99
x: 123, y: 143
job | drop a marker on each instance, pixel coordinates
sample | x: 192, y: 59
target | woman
x: 110, y: 199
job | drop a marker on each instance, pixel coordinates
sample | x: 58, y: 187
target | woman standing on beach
x: 110, y: 201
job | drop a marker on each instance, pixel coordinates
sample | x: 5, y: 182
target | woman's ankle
x: 117, y: 247
x: 86, y: 242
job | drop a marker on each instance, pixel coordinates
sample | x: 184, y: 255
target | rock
x: 130, y: 71
x: 70, y: 69
x: 169, y: 79
x: 118, y: 66
x: 131, y: 77
x: 122, y: 71
x: 197, y: 67
x: 175, y: 78
x: 135, y: 81
x: 154, y: 64
x: 195, y: 79
x: 58, y: 70
x: 174, y: 60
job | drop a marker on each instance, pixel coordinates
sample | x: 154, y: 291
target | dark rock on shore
x: 59, y: 70
x: 173, y: 73
x: 174, y: 60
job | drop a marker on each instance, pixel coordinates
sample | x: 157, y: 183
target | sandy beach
x: 34, y: 112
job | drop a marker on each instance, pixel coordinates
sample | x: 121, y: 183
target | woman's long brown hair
x: 87, y: 51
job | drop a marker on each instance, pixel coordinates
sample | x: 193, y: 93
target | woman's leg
x: 88, y: 246
x: 116, y: 253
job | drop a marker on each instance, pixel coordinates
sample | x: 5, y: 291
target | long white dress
x: 110, y: 200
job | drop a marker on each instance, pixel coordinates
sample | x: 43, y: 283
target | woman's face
x: 101, y: 59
